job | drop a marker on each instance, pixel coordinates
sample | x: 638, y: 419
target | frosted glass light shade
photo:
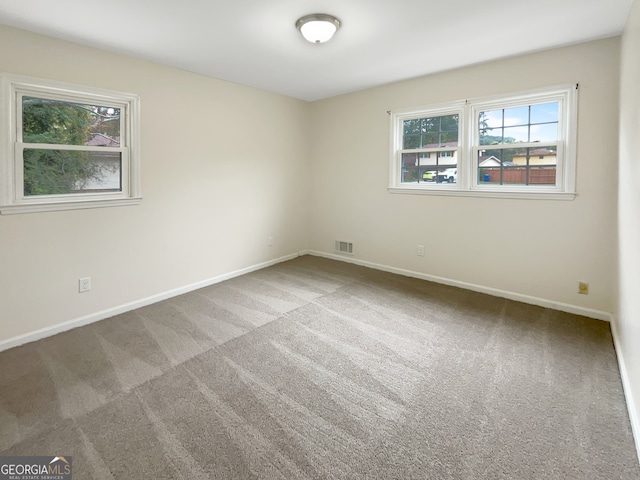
x: 318, y: 28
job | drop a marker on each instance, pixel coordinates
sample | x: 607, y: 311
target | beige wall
x: 627, y: 321
x: 216, y: 186
x: 532, y: 248
x: 221, y: 171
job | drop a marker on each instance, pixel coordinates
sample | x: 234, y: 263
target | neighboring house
x: 489, y: 161
x: 442, y: 161
x: 538, y: 156
x: 448, y: 158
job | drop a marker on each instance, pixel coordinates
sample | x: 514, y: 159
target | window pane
x: 411, y: 127
x: 545, y: 113
x: 411, y: 141
x: 516, y: 134
x: 409, y: 159
x: 409, y: 175
x: 430, y: 132
x: 535, y: 123
x: 449, y: 123
x: 542, y: 175
x: 449, y: 139
x: 66, y: 123
x: 490, y: 136
x: 432, y: 167
x: 447, y: 159
x: 517, y: 166
x: 489, y: 166
x: 431, y: 140
x: 534, y: 156
x: 428, y: 175
x: 447, y: 171
x: 490, y: 119
x: 441, y: 159
x: 57, y: 172
x: 497, y: 136
x: 515, y: 175
x: 516, y: 116
x: 544, y: 133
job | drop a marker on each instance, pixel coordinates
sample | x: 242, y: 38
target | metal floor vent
x: 344, y: 247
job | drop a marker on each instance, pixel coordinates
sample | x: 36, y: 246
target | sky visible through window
x: 525, y: 124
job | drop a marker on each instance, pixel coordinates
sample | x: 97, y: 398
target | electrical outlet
x: 270, y: 242
x: 583, y: 288
x: 84, y: 284
x: 421, y: 250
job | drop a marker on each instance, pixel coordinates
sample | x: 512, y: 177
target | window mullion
x: 79, y: 148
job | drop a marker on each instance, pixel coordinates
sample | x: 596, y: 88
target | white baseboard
x: 110, y: 312
x: 518, y: 297
x: 632, y: 407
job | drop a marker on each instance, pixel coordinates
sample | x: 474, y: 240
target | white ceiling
x: 255, y: 42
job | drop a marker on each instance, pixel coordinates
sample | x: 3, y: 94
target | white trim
x: 72, y: 205
x: 12, y: 198
x: 7, y: 166
x: 468, y: 145
x: 396, y: 151
x: 565, y: 144
x: 127, y: 307
x: 94, y: 317
x: 506, y: 194
x: 633, y: 408
x: 518, y: 297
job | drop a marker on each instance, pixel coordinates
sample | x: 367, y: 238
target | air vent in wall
x: 344, y: 247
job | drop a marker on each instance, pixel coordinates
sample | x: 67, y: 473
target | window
x: 67, y: 147
x: 520, y: 146
x: 426, y: 147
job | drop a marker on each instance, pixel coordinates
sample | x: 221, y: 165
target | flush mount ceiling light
x: 318, y: 28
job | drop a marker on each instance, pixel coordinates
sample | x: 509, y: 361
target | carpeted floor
x: 324, y: 370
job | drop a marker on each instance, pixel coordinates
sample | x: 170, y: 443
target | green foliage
x: 430, y: 131
x: 54, y: 122
x: 483, y: 125
x: 52, y: 172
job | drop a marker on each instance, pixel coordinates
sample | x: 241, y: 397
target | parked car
x: 429, y: 176
x: 450, y: 175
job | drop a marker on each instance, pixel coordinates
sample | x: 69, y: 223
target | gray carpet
x: 324, y: 370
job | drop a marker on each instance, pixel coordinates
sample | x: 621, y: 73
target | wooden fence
x: 518, y: 175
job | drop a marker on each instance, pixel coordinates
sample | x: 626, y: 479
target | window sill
x: 451, y: 192
x: 53, y: 207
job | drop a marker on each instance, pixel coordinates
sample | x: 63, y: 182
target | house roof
x: 441, y: 145
x: 537, y: 151
x: 485, y: 160
x: 102, y: 140
x: 488, y: 160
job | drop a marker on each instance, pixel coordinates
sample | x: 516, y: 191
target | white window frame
x: 467, y: 180
x: 398, y: 118
x: 12, y: 198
